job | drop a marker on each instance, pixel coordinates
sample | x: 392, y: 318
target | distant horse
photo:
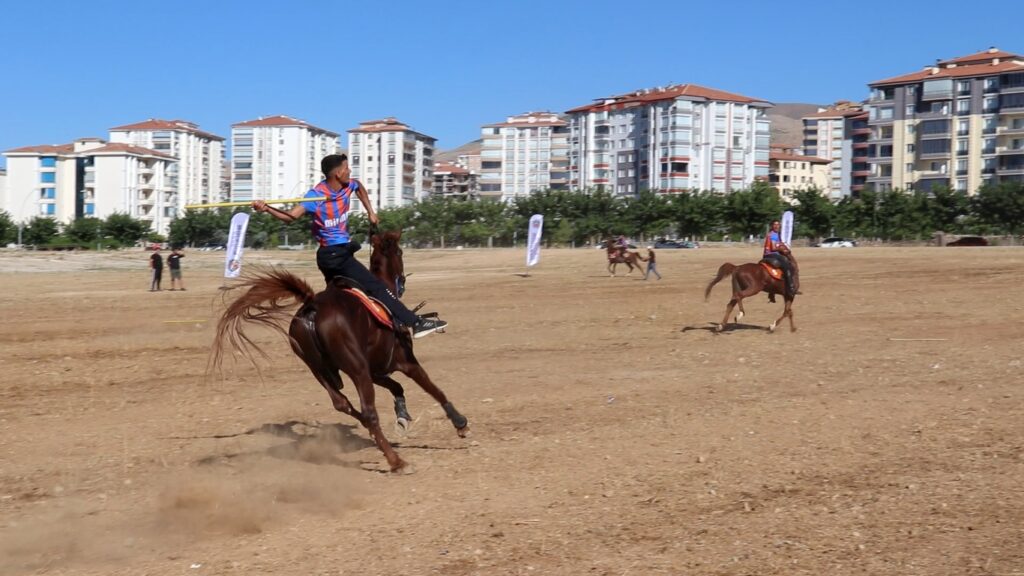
x: 619, y: 255
x: 751, y: 278
x: 334, y: 331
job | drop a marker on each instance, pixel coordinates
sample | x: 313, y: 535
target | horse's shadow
x: 712, y: 327
x: 314, y: 443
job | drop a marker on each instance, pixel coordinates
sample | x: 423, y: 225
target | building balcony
x: 146, y: 171
x: 1015, y: 170
x: 1001, y: 150
x: 988, y: 151
x: 860, y: 145
x: 861, y: 173
x: 934, y: 155
x: 1001, y: 130
x: 1016, y: 88
x: 147, y: 185
x: 881, y: 121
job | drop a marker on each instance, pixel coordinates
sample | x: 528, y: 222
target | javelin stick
x: 249, y: 203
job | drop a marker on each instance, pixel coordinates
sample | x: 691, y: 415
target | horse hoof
x: 719, y: 328
x: 739, y: 316
x: 462, y: 432
x: 772, y: 327
x: 402, y: 426
x: 404, y: 470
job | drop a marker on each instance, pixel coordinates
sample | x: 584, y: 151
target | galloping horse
x: 334, y: 331
x: 618, y: 255
x: 751, y: 278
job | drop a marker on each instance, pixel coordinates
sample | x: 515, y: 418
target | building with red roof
x: 393, y: 161
x: 523, y: 154
x: 958, y: 123
x: 275, y: 157
x: 670, y: 138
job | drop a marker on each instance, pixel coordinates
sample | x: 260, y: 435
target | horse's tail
x: 267, y: 299
x: 723, y: 271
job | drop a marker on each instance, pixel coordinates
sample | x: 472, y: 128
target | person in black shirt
x: 174, y: 263
x: 156, y: 263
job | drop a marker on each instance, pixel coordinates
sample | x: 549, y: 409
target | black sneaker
x: 427, y: 326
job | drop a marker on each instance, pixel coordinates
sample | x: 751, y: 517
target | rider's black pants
x: 338, y: 260
x: 780, y: 261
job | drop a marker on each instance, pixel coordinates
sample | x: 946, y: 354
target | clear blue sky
x: 74, y: 69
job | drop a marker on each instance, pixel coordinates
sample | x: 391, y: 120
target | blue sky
x: 74, y: 69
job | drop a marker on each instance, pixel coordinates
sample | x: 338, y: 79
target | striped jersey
x: 769, y: 243
x: 330, y: 217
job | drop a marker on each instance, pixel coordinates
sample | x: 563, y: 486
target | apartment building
x: 277, y: 157
x: 91, y: 177
x: 453, y: 179
x: 958, y: 123
x: 791, y: 171
x: 3, y: 188
x: 393, y: 161
x: 197, y: 175
x: 670, y: 139
x: 839, y: 133
x: 523, y: 154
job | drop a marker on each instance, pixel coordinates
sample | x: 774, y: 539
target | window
x: 909, y: 167
x: 47, y: 193
x: 961, y: 145
x: 963, y: 126
x: 963, y: 106
x: 90, y: 209
x: 281, y: 141
x: 991, y: 104
x: 48, y: 162
x: 48, y: 177
x: 935, y: 146
x: 961, y: 184
x: 961, y: 165
x: 909, y: 111
x: 963, y: 87
x: 910, y: 148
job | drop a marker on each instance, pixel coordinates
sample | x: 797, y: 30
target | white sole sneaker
x: 428, y: 332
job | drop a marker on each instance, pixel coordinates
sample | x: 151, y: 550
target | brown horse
x: 619, y: 255
x: 749, y: 279
x: 333, y: 332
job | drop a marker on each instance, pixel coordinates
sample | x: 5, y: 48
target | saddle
x: 375, y: 307
x: 772, y: 271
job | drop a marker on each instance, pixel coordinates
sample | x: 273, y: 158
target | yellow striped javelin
x: 249, y: 203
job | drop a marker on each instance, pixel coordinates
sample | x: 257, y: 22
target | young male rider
x: 775, y: 253
x: 330, y: 228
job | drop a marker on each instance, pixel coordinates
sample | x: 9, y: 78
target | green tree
x: 946, y: 209
x: 748, y: 212
x: 84, y: 230
x: 8, y: 229
x: 697, y: 214
x: 199, y: 227
x: 125, y: 229
x: 40, y: 231
x: 646, y: 214
x: 1001, y: 207
x: 813, y: 214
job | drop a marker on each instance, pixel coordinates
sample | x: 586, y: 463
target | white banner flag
x: 236, y: 243
x: 533, y: 242
x: 787, y: 227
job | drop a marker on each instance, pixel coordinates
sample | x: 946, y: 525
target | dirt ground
x: 612, y: 431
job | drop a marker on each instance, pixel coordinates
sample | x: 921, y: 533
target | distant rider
x: 776, y: 253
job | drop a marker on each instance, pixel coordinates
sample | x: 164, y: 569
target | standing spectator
x: 174, y: 263
x: 156, y: 263
x: 651, y: 267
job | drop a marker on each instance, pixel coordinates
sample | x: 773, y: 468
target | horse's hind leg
x: 419, y: 375
x: 364, y: 385
x: 728, y: 311
x: 401, y: 412
x: 742, y: 312
x: 327, y: 376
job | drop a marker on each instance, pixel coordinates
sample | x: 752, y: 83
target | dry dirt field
x: 612, y: 432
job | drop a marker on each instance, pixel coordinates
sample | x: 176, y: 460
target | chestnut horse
x: 751, y: 278
x: 619, y: 255
x: 333, y: 332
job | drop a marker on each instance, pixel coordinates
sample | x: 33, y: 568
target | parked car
x: 837, y: 243
x: 212, y: 247
x: 969, y: 241
x: 673, y: 244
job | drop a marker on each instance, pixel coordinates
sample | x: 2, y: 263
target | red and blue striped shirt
x: 330, y: 217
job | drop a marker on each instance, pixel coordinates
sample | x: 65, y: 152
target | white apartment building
x: 670, y: 139
x: 526, y: 153
x: 197, y: 176
x: 90, y: 177
x: 394, y: 162
x: 277, y: 157
x: 3, y: 188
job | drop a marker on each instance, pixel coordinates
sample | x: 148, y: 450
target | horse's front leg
x: 413, y: 370
x: 787, y: 311
x: 401, y: 412
x: 364, y: 385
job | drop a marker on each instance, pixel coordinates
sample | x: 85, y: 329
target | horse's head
x: 386, y: 260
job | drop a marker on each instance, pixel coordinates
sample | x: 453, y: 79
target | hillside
x: 787, y: 128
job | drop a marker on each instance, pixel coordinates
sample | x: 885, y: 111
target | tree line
x: 586, y: 217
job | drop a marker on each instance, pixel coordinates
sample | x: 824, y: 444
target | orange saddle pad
x: 378, y: 310
x: 772, y: 271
